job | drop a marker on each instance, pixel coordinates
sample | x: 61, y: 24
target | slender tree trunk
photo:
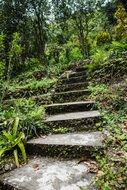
x: 81, y: 36
x: 40, y: 33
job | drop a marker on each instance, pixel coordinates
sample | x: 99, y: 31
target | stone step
x: 69, y: 107
x: 70, y: 145
x: 70, y: 96
x: 73, y: 86
x: 72, y: 122
x: 73, y: 80
x: 48, y: 174
x: 73, y: 116
x: 73, y: 74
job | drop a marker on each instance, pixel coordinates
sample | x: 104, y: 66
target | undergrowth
x: 111, y: 100
x: 30, y: 114
x: 34, y: 84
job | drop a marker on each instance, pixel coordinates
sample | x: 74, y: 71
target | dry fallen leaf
x: 100, y: 173
x: 123, y: 126
x: 120, y: 179
x: 122, y: 154
x: 92, y: 166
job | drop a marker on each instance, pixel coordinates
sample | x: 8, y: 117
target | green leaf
x: 2, y: 142
x: 20, y: 137
x: 8, y: 136
x: 2, y: 151
x: 15, y: 126
x: 16, y: 158
x: 106, y: 187
x: 22, y: 148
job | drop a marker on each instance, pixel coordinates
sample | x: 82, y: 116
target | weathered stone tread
x: 73, y: 74
x: 94, y: 139
x: 49, y: 174
x: 71, y: 80
x: 69, y: 96
x: 78, y: 85
x: 59, y: 108
x: 70, y: 103
x: 72, y: 92
x: 73, y: 116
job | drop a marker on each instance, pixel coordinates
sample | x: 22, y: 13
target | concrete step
x: 73, y: 86
x: 48, y: 174
x: 69, y: 107
x: 72, y: 122
x: 73, y: 80
x: 70, y: 74
x: 70, y: 145
x: 73, y: 116
x: 70, y: 96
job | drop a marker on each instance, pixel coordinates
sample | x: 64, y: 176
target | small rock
x: 7, y: 167
x: 36, y: 167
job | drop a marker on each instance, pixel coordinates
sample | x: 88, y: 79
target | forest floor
x: 112, y: 102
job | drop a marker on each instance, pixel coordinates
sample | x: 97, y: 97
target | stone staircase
x: 55, y: 159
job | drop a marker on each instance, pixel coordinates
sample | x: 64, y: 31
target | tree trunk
x: 82, y: 37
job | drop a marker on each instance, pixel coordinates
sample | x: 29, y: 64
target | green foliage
x: 75, y: 54
x: 60, y: 130
x: 59, y: 68
x: 119, y: 46
x: 2, y: 38
x: 114, y: 166
x: 14, y: 53
x: 2, y: 61
x: 98, y: 59
x: 2, y: 68
x: 31, y: 116
x: 99, y: 89
x: 100, y: 56
x: 15, y: 49
x: 109, y: 62
x: 113, y: 107
x: 13, y: 57
x: 103, y: 37
x: 34, y: 84
x: 121, y: 17
x: 12, y: 140
x: 33, y: 64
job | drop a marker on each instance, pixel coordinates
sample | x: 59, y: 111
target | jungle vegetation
x: 39, y: 40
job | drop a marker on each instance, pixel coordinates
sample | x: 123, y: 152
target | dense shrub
x: 121, y: 27
x: 103, y: 37
x: 30, y: 114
